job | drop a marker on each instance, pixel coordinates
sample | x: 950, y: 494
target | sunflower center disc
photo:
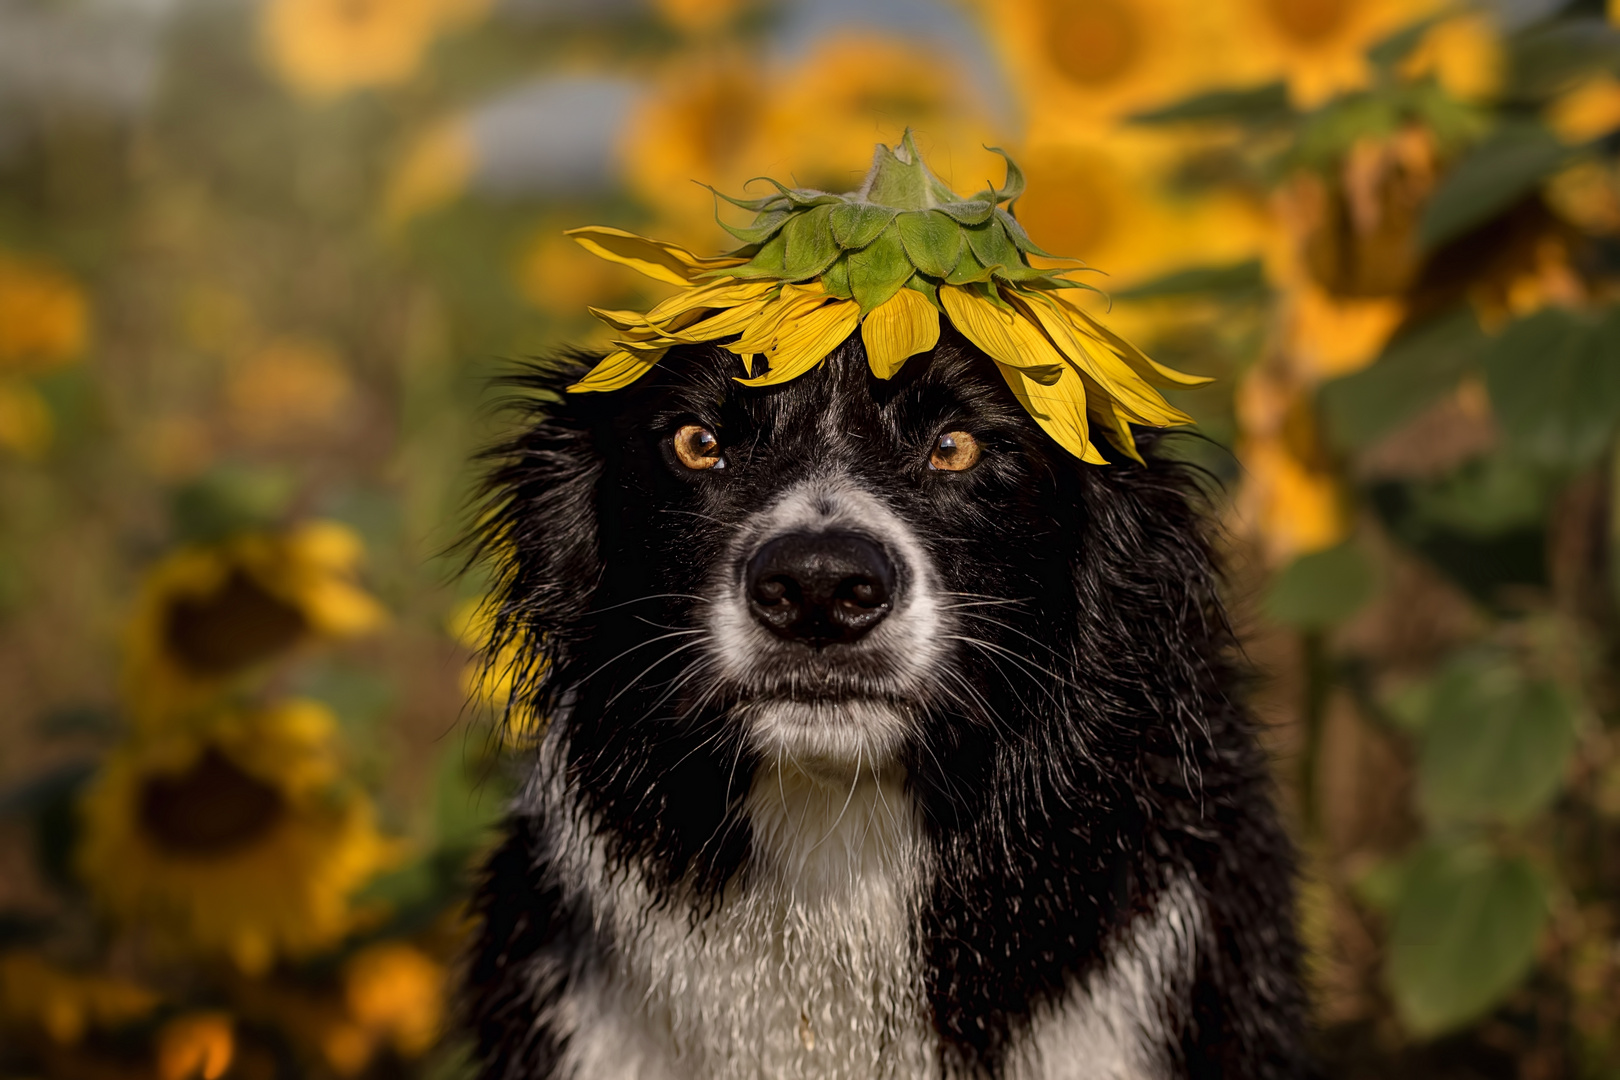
x: 232, y: 629
x: 212, y: 809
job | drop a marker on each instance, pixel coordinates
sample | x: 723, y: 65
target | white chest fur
x: 807, y: 968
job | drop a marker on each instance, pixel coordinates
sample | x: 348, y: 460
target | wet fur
x: 1067, y: 864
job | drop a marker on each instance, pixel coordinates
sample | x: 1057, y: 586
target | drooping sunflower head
x: 890, y: 258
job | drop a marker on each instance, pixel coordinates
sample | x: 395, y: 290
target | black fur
x: 1088, y: 747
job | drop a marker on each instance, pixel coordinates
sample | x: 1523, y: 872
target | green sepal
x: 971, y: 212
x: 970, y: 268
x: 1021, y: 238
x: 763, y: 228
x: 854, y: 225
x: 918, y: 283
x: 810, y: 246
x: 877, y: 271
x: 1011, y: 187
x: 768, y: 262
x: 801, y: 196
x: 992, y: 246
x: 836, y: 279
x: 932, y: 241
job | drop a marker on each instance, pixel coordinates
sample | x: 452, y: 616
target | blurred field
x: 260, y: 259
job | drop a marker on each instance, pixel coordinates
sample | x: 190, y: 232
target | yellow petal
x: 1107, y: 371
x: 1116, y: 425
x: 806, y: 340
x: 1060, y: 409
x: 1008, y: 337
x: 621, y: 320
x: 655, y: 258
x: 792, y: 302
x: 722, y: 293
x: 732, y: 320
x: 1150, y: 369
x: 899, y: 328
x: 617, y: 369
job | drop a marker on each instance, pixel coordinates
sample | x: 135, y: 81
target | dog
x: 886, y: 739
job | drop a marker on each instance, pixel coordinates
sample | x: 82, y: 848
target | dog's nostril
x: 820, y: 588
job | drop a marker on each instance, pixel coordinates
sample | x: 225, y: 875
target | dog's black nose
x: 820, y: 588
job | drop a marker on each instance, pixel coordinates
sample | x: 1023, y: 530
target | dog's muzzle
x: 820, y: 588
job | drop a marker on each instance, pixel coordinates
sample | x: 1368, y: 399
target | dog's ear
x: 536, y: 533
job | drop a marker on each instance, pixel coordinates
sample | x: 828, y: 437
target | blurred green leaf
x: 230, y: 499
x: 1322, y: 588
x: 1548, y: 58
x: 1391, y: 50
x: 1486, y: 497
x: 1258, y: 105
x: 1496, y: 746
x: 1381, y: 885
x: 1464, y: 934
x: 1416, y: 367
x: 1554, y: 381
x: 1510, y: 164
x: 1235, y: 278
x: 33, y: 796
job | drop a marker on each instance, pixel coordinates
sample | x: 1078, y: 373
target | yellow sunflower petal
x: 806, y: 341
x: 1007, y: 336
x: 791, y: 303
x: 617, y: 369
x: 654, y: 258
x: 1150, y: 369
x: 1060, y: 409
x: 724, y: 323
x: 621, y: 320
x: 1108, y: 372
x: 1116, y: 424
x: 722, y: 293
x: 897, y: 329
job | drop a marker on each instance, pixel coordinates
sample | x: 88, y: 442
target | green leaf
x: 810, y: 245
x: 1496, y: 746
x: 1394, y: 48
x: 231, y: 499
x: 1547, y: 59
x: 1486, y: 497
x: 1554, y: 381
x: 1463, y: 936
x: 854, y: 225
x: 1505, y: 168
x: 1415, y: 368
x: 933, y: 242
x: 768, y: 262
x: 877, y: 271
x: 1233, y: 278
x: 1322, y: 588
x: 1258, y: 105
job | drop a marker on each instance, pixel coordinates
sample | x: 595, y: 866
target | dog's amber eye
x: 697, y: 448
x: 954, y: 451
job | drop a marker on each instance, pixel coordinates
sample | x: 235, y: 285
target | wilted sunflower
x: 236, y: 836
x: 208, y: 613
x: 890, y: 259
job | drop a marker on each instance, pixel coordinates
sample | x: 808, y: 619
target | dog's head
x: 841, y: 571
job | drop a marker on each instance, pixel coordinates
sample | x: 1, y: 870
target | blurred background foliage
x: 260, y: 258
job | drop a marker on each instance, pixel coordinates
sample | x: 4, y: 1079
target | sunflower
x: 235, y: 835
x: 889, y: 259
x: 323, y: 48
x: 26, y: 427
x: 489, y: 678
x: 1291, y: 497
x: 210, y: 613
x: 1083, y: 65
x: 1317, y: 46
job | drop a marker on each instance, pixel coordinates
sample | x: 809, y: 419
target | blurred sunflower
x: 1588, y: 111
x: 434, y: 169
x: 234, y: 835
x: 25, y: 420
x: 34, y: 992
x: 1106, y: 200
x: 324, y: 48
x: 1081, y: 65
x: 560, y: 278
x: 44, y: 316
x: 1292, y: 498
x: 489, y: 679
x: 1317, y: 46
x: 701, y: 16
x: 208, y: 613
x: 289, y: 391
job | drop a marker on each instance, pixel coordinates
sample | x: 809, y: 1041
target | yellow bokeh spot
x: 1587, y: 112
x: 324, y: 48
x: 1308, y: 22
x: 25, y: 420
x: 398, y: 992
x: 700, y: 16
x: 288, y: 391
x: 44, y: 316
x: 65, y: 1004
x: 199, y: 1046
x: 1464, y: 54
x: 434, y: 171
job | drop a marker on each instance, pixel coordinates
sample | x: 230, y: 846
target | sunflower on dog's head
x: 890, y: 258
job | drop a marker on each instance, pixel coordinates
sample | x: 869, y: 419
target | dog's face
x: 841, y: 572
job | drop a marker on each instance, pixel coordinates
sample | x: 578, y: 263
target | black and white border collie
x: 862, y: 763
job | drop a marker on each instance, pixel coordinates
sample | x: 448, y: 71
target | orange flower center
x: 235, y: 627
x: 1093, y: 42
x: 1308, y: 21
x: 212, y: 809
